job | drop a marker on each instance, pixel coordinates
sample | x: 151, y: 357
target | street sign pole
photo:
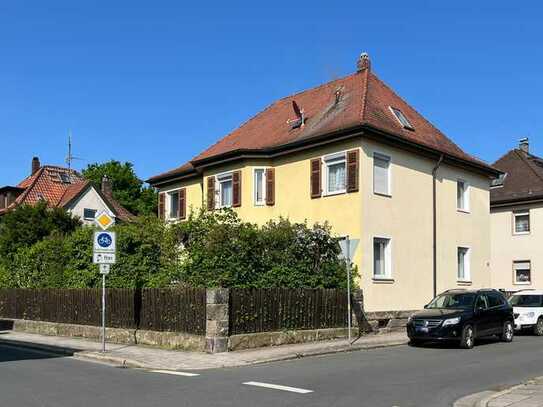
x: 103, y: 312
x: 348, y: 261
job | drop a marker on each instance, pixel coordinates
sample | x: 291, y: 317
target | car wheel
x: 468, y: 337
x: 538, y: 328
x: 508, y: 332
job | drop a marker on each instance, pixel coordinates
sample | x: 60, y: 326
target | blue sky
x: 155, y: 83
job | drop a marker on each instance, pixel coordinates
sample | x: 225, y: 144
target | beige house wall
x: 405, y: 217
x: 508, y: 247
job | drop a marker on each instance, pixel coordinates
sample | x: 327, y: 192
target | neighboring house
x: 353, y: 153
x: 64, y: 188
x: 516, y: 208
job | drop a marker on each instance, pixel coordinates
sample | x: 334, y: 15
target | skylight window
x: 65, y: 178
x: 401, y: 118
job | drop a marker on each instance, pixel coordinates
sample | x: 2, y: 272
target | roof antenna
x: 70, y: 157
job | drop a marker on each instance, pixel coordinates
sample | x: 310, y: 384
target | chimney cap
x: 363, y: 62
x: 524, y: 144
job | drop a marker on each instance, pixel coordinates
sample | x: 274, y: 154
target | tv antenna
x: 70, y: 157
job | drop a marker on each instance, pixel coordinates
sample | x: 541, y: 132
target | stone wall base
x: 167, y: 340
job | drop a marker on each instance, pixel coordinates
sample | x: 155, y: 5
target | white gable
x: 88, y: 200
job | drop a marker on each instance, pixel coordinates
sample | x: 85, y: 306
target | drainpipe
x: 434, y: 204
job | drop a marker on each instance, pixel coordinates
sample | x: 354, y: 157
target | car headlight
x: 451, y: 321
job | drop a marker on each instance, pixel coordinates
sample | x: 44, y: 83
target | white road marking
x: 278, y: 387
x: 175, y: 373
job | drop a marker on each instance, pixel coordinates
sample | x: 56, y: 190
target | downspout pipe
x: 434, y: 222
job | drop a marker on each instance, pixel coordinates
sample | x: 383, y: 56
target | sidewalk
x: 153, y: 358
x: 528, y: 394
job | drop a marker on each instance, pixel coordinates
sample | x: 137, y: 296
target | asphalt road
x: 401, y: 376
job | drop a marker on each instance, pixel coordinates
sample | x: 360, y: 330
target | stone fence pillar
x: 357, y: 303
x: 217, y: 315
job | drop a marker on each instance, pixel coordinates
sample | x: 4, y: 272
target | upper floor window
x: 89, y: 214
x: 463, y: 273
x: 335, y: 173
x: 224, y: 189
x: 381, y: 174
x: 401, y: 118
x: 462, y: 195
x: 382, y: 263
x: 174, y: 205
x: 260, y: 186
x: 522, y: 272
x: 522, y: 222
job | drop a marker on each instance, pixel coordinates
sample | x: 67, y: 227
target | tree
x: 29, y: 224
x: 128, y: 189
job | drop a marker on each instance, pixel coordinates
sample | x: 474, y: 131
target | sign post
x: 348, y: 247
x: 104, y: 255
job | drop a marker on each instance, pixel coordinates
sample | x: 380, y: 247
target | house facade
x: 517, y: 221
x: 64, y: 188
x: 353, y: 153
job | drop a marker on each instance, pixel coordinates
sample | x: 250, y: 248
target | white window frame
x: 263, y: 201
x: 388, y: 259
x: 383, y: 157
x: 466, y: 196
x: 219, y: 180
x: 522, y: 213
x: 407, y: 124
x: 515, y: 281
x: 170, y: 203
x: 332, y: 159
x: 467, y: 265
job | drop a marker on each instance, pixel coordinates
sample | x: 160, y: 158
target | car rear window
x: 526, y: 301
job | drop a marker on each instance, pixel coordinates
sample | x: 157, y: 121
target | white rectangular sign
x: 105, y: 268
x: 104, y: 242
x: 104, y: 258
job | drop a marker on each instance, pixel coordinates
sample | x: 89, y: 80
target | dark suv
x: 463, y: 316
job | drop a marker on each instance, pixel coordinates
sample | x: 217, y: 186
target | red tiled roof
x: 59, y: 186
x: 524, y: 179
x: 364, y: 101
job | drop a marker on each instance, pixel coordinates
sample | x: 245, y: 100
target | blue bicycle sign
x: 104, y: 240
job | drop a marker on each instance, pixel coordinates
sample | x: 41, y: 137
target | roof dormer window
x: 401, y: 118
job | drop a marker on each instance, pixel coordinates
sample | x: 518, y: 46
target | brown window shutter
x: 236, y: 189
x: 316, y: 178
x: 161, y: 205
x: 210, y: 193
x: 270, y: 186
x: 352, y: 170
x: 182, y: 207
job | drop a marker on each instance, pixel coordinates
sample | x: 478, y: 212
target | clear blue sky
x: 155, y: 83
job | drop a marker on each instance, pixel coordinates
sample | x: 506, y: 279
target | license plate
x: 422, y: 329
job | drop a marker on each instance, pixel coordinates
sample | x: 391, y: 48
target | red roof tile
x: 364, y: 101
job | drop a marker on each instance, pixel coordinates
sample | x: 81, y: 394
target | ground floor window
x: 463, y: 273
x: 522, y: 272
x: 381, y: 258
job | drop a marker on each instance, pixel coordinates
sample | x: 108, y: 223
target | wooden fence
x: 276, y: 309
x: 177, y: 310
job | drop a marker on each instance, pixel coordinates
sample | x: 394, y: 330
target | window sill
x: 382, y: 194
x: 382, y: 280
x: 325, y: 194
x: 462, y: 210
x: 260, y: 203
x: 521, y: 233
x: 464, y: 282
x: 524, y: 283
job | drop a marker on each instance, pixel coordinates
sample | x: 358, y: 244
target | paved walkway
x: 153, y: 358
x: 528, y: 394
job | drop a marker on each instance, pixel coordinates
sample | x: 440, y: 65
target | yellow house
x: 516, y: 213
x: 353, y: 153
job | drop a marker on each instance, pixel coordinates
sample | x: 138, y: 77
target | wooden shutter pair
x: 236, y: 191
x: 352, y: 167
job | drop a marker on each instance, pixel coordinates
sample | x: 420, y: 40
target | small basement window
x: 401, y: 118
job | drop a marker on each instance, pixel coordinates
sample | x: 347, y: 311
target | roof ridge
x: 503, y: 156
x: 423, y: 117
x: 36, y: 176
x: 364, y: 95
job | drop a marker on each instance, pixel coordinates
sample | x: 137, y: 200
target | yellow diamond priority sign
x: 104, y: 220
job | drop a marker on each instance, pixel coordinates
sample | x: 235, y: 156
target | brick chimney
x: 35, y: 165
x: 363, y: 62
x: 524, y: 145
x: 106, y: 185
